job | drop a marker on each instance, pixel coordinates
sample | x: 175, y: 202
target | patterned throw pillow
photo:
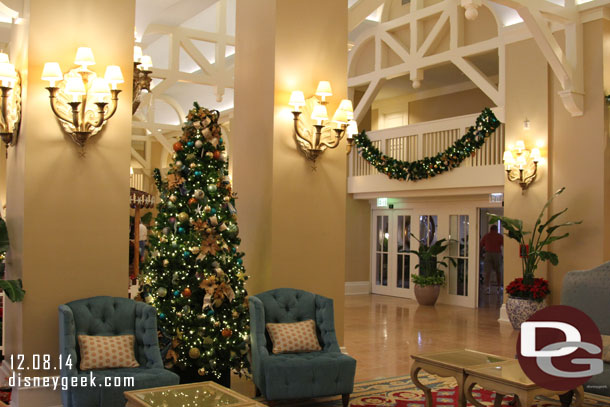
x: 103, y: 352
x: 606, y: 350
x: 294, y: 337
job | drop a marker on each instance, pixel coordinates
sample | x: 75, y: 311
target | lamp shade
x: 521, y: 162
x: 340, y: 117
x: 297, y: 99
x: 100, y: 87
x: 114, y: 75
x: 324, y: 89
x: 52, y: 72
x: 84, y: 57
x: 8, y: 75
x: 319, y: 113
x: 535, y: 155
x: 145, y: 62
x: 137, y: 53
x: 346, y: 105
x: 75, y: 85
x: 3, y: 58
x: 508, y: 158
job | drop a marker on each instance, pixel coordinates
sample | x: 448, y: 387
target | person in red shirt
x: 492, y: 243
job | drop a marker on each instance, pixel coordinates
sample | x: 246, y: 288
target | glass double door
x: 395, y: 232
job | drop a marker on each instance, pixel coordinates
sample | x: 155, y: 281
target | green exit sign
x: 382, y: 202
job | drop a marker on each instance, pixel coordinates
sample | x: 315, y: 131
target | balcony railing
x: 416, y: 141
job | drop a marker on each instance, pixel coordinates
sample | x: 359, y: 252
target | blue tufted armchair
x: 589, y: 291
x: 109, y: 316
x: 298, y: 375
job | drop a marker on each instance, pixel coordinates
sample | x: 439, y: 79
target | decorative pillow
x: 606, y: 350
x: 103, y: 352
x: 294, y: 337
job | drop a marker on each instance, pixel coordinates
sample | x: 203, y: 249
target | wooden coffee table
x: 508, y: 378
x: 204, y: 394
x: 449, y: 363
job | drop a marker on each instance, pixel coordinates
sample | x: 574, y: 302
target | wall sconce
x: 10, y: 84
x: 521, y: 164
x: 141, y: 76
x: 313, y: 143
x: 74, y: 93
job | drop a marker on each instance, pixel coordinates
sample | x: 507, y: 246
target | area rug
x: 401, y: 392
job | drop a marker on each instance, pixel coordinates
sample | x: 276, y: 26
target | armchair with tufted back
x: 589, y: 291
x: 298, y: 375
x: 110, y: 316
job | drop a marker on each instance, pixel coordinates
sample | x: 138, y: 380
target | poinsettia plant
x: 534, y: 249
x: 537, y: 291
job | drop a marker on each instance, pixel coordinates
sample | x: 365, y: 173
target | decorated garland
x: 428, y: 167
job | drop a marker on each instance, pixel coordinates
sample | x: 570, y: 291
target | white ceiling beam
x: 138, y: 157
x: 197, y: 56
x: 367, y: 99
x: 360, y: 11
x: 478, y: 78
x: 434, y: 36
x: 395, y: 46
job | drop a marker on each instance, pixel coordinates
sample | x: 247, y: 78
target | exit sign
x: 382, y: 202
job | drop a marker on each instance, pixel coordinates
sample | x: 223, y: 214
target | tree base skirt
x: 191, y: 376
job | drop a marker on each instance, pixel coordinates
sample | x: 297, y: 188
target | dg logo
x: 560, y: 348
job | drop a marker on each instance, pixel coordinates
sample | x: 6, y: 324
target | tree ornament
x: 194, y: 249
x: 226, y: 199
x: 162, y: 315
x: 235, y: 314
x: 173, y: 198
x: 190, y: 143
x: 161, y: 292
x: 183, y: 217
x: 165, y: 230
x: 227, y: 332
x: 197, y: 173
x: 165, y: 263
x: 199, y: 194
x: 192, y: 201
x: 181, y: 230
x: 198, y: 144
x: 176, y: 293
x: 178, y: 146
x: 174, y: 245
x: 201, y: 371
x: 223, y: 156
x: 216, y: 155
x: 178, y: 165
x: 186, y: 254
x: 186, y: 292
x: 212, y: 188
x: 207, y: 209
x: 175, y: 279
x: 193, y: 166
x: 194, y: 353
x: 209, y: 154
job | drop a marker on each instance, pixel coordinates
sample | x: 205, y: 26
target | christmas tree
x: 194, y: 276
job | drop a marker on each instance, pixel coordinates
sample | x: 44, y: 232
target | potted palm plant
x: 431, y: 277
x: 527, y: 294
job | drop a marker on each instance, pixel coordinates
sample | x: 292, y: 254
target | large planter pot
x: 427, y: 295
x: 520, y: 310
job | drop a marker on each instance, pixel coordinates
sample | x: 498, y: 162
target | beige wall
x: 67, y: 214
x: 455, y: 104
x: 292, y: 219
x: 358, y: 240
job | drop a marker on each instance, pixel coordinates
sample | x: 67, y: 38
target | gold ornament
x: 165, y: 263
x: 201, y: 371
x: 194, y: 353
x: 227, y: 198
x: 207, y: 209
x: 173, y: 198
x: 193, y: 165
x: 183, y: 216
x: 235, y: 314
x: 195, y: 250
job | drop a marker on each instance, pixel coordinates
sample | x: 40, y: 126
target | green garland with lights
x: 429, y: 167
x: 195, y: 275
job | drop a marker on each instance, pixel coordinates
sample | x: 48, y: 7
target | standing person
x: 492, y: 243
x: 143, y: 237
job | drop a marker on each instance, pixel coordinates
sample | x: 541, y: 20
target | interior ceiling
x: 438, y: 76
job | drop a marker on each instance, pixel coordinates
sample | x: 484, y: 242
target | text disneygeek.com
x: 64, y: 383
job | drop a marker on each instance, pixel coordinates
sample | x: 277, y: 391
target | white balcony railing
x: 416, y: 141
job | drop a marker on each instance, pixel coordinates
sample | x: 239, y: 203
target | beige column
x: 68, y: 216
x: 579, y: 162
x: 526, y: 98
x: 292, y: 219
